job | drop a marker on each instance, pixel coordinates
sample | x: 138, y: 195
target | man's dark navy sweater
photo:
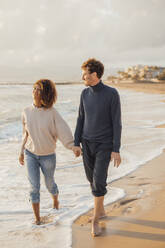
x: 99, y: 118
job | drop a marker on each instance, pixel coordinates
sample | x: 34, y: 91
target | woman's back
x: 44, y: 126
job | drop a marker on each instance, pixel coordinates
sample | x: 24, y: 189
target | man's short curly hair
x: 48, y: 92
x: 94, y: 65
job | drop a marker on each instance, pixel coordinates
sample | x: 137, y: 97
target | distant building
x: 142, y: 72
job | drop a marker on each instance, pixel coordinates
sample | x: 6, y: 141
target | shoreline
x: 135, y: 220
x: 23, y: 83
x: 133, y: 217
x: 153, y: 88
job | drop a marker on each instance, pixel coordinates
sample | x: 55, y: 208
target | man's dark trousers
x: 96, y: 158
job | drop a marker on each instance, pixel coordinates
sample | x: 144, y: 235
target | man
x: 98, y: 130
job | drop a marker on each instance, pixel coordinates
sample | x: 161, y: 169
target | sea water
x: 141, y: 141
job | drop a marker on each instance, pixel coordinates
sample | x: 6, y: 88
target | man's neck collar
x: 95, y: 83
x: 97, y: 87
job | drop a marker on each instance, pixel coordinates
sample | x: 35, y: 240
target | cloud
x: 139, y: 23
x: 66, y: 32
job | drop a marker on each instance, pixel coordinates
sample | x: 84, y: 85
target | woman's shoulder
x: 55, y: 111
x: 57, y: 115
x: 27, y: 109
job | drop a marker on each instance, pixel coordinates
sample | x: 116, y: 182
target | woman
x: 42, y: 126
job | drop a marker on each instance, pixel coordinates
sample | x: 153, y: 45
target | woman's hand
x: 21, y: 158
x: 77, y: 151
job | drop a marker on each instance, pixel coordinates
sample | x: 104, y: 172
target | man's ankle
x: 95, y: 219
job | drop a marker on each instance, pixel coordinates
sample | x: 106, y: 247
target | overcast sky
x: 63, y: 33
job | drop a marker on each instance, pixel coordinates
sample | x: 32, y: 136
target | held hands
x: 115, y: 156
x: 21, y: 158
x: 77, y: 151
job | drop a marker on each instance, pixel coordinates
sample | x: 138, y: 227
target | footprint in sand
x: 126, y: 201
x: 47, y: 219
x: 127, y: 210
x: 142, y: 184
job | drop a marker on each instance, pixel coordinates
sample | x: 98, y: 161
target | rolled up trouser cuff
x: 51, y: 186
x: 34, y: 201
x: 34, y: 197
x: 98, y: 194
x: 55, y: 192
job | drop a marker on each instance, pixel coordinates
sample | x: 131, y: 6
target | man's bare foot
x: 102, y: 212
x: 95, y: 229
x: 101, y: 216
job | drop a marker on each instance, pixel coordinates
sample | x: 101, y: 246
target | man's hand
x: 116, y: 157
x: 76, y: 150
x: 21, y: 158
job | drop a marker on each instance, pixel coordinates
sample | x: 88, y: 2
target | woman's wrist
x: 22, y: 151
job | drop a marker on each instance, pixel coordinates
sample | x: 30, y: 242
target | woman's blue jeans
x: 47, y: 164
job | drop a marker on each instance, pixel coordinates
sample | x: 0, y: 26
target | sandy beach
x: 148, y: 87
x: 138, y: 218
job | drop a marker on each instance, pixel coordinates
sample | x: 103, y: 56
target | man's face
x: 88, y: 77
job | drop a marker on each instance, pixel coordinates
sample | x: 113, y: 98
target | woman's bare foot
x: 95, y: 229
x: 37, y: 222
x: 55, y: 202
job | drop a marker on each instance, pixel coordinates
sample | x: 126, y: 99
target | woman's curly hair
x: 48, y: 93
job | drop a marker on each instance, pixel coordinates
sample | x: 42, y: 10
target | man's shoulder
x: 110, y: 89
x: 84, y: 91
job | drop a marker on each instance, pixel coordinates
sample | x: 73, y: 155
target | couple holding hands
x: 97, y: 137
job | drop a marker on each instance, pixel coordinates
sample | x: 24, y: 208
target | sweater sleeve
x: 79, y: 125
x: 116, y: 121
x: 24, y: 132
x: 63, y: 131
